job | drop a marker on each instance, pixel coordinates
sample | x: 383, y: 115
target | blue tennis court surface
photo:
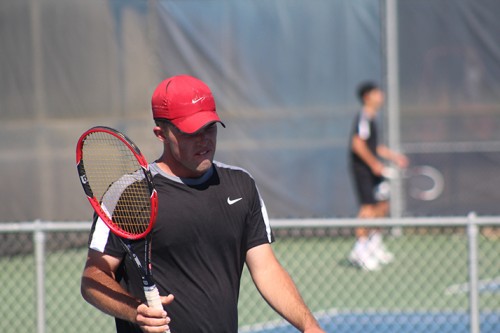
x: 417, y: 322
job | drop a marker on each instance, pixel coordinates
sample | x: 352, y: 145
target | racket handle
x: 390, y: 173
x: 153, y: 298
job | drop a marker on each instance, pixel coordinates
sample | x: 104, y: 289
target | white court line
x: 491, y: 285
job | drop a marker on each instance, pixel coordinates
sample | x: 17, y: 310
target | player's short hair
x: 364, y: 88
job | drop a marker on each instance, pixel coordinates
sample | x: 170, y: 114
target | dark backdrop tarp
x: 284, y: 73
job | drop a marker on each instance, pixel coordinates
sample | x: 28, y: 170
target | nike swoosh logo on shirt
x: 232, y: 202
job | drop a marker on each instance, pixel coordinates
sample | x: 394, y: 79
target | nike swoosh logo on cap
x: 196, y: 100
x: 232, y: 202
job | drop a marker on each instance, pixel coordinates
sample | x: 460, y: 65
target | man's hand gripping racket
x: 116, y: 179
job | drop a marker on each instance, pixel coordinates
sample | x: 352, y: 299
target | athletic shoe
x: 363, y: 260
x: 383, y: 256
x: 378, y: 250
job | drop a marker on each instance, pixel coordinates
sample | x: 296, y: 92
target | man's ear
x: 160, y: 134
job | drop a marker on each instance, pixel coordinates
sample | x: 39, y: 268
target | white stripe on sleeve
x: 100, y: 236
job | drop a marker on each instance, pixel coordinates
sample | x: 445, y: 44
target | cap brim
x: 197, y: 121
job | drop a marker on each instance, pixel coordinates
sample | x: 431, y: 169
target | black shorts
x: 370, y: 189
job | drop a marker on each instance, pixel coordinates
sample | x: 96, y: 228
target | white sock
x: 361, y: 245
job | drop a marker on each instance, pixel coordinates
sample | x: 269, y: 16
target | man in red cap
x: 211, y: 221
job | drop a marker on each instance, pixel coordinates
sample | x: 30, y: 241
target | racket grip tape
x: 153, y: 298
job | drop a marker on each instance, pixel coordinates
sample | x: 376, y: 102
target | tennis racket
x: 116, y: 179
x: 425, y: 183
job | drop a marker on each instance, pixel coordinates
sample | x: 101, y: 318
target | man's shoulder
x: 233, y: 171
x: 230, y: 168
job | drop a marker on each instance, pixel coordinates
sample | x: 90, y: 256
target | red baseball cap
x: 186, y: 102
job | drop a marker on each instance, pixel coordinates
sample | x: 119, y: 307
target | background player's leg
x: 361, y: 255
x: 375, y: 243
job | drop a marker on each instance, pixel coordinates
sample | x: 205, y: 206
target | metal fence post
x: 472, y: 232
x: 390, y: 35
x: 39, y: 247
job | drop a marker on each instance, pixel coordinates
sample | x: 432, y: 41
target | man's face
x: 191, y: 155
x: 375, y: 98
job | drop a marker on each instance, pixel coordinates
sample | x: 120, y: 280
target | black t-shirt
x: 202, y: 233
x: 366, y: 129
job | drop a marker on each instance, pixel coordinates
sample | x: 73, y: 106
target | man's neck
x: 165, y: 167
x: 370, y: 111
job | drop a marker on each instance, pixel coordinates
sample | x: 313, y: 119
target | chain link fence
x: 445, y: 277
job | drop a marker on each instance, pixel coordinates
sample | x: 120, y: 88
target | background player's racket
x: 116, y: 179
x: 424, y: 182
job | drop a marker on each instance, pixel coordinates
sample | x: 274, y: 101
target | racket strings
x: 117, y: 180
x: 133, y: 210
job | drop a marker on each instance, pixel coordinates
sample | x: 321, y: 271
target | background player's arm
x: 278, y: 288
x: 360, y: 148
x: 386, y: 153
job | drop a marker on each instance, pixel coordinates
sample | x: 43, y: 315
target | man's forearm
x: 281, y: 293
x: 103, y: 292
